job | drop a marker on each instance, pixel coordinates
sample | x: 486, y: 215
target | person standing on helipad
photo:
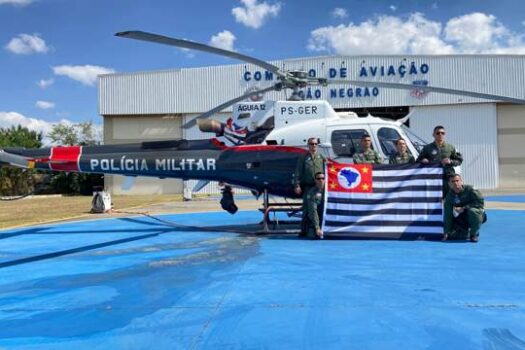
x: 304, y: 179
x: 314, y: 207
x: 441, y: 152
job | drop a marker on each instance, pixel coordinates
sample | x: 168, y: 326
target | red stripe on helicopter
x: 218, y: 144
x: 248, y: 148
x: 65, y: 158
x: 288, y: 149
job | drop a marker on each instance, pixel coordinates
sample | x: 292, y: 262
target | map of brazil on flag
x: 350, y: 177
x: 384, y: 201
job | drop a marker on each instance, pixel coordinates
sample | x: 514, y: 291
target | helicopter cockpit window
x: 243, y: 116
x: 347, y: 142
x: 387, y: 138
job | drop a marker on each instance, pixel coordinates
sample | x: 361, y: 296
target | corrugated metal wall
x: 472, y: 129
x: 197, y: 90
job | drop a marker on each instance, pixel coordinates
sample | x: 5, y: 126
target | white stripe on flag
x: 391, y: 195
x: 405, y: 172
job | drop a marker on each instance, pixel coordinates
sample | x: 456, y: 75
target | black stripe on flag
x: 408, y: 223
x: 413, y: 188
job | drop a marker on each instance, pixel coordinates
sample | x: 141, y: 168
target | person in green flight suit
x: 304, y: 178
x: 315, y: 206
x: 441, y: 152
x: 464, y: 211
x: 402, y: 156
x: 368, y: 155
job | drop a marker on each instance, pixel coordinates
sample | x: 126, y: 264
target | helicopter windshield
x: 417, y: 141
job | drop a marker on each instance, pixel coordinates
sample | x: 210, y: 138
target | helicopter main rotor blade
x: 226, y: 104
x: 187, y: 44
x: 430, y: 89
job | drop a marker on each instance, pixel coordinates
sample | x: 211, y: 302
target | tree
x: 76, y: 134
x: 14, y: 181
x: 63, y: 135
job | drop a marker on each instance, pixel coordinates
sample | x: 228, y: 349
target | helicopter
x: 257, y: 148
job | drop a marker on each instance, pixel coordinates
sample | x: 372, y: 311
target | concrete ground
x: 123, y: 282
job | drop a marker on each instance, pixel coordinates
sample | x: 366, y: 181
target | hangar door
x: 511, y: 142
x: 472, y: 128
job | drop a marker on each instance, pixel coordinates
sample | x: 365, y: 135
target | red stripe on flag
x: 65, y: 158
x: 350, y: 177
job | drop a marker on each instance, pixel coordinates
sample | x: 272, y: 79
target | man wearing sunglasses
x: 441, y: 152
x: 307, y: 166
x: 314, y: 207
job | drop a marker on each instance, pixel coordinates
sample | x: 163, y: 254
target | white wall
x: 472, y: 128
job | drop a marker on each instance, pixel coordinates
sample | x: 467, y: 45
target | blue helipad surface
x: 513, y: 198
x: 137, y: 284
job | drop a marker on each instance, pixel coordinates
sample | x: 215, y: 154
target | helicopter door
x: 345, y: 143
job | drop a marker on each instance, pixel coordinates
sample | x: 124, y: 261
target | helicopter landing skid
x: 276, y: 225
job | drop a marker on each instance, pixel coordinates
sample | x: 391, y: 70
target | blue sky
x: 52, y: 50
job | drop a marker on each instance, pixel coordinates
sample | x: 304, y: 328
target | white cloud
x: 16, y: 2
x: 44, y: 104
x: 475, y: 32
x: 26, y: 44
x: 339, y: 12
x: 8, y: 119
x: 384, y: 35
x: 223, y: 40
x: 45, y: 83
x: 472, y: 33
x: 393, y: 7
x: 254, y: 14
x: 87, y: 74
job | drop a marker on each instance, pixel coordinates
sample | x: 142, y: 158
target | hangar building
x: 154, y: 105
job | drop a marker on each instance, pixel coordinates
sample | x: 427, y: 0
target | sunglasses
x: 440, y: 133
x: 319, y: 178
x: 313, y: 144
